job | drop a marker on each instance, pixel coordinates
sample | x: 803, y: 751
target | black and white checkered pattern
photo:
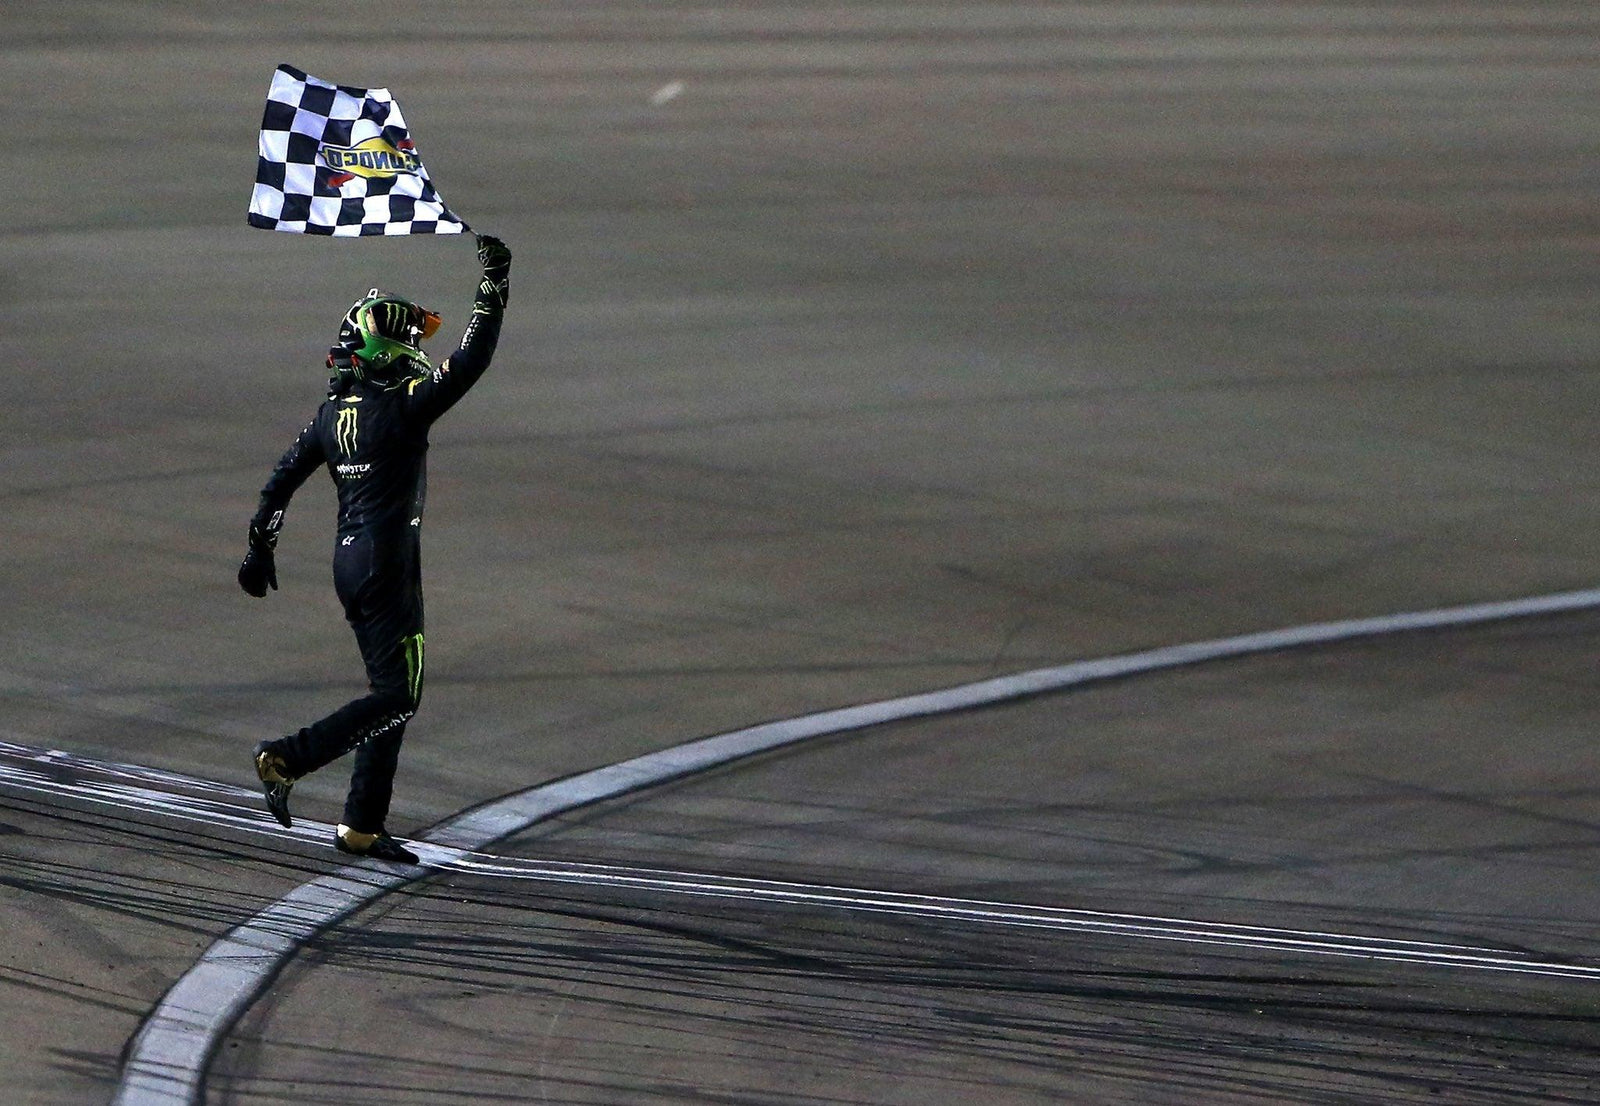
x: 307, y: 124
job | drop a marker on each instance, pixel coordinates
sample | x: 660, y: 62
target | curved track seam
x: 167, y: 1058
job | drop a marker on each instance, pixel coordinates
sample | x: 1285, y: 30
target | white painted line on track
x: 30, y: 776
x: 1146, y: 927
x: 57, y: 773
x: 167, y: 1058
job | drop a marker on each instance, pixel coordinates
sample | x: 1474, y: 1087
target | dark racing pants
x: 380, y: 587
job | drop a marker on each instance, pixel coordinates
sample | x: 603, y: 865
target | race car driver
x: 372, y: 434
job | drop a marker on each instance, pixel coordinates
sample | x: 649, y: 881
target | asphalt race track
x: 855, y: 352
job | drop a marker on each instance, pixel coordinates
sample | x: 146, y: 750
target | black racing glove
x: 496, y: 261
x: 259, y: 571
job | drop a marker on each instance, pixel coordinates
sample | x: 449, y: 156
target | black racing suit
x: 374, y: 440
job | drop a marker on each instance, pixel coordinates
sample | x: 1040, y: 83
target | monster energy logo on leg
x: 344, y: 431
x: 414, y: 666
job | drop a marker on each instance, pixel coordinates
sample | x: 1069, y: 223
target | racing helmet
x: 381, y: 336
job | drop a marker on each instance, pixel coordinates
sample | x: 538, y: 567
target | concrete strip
x: 167, y: 1059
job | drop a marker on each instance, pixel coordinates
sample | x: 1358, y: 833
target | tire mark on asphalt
x: 167, y: 1058
x: 703, y: 885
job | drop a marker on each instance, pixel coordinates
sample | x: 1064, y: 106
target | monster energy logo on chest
x: 344, y: 431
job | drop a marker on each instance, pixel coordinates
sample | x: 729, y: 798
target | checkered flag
x: 339, y: 160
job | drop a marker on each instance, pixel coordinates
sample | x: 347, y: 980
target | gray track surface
x: 909, y: 345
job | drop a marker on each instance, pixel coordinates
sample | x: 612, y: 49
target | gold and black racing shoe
x: 378, y: 846
x: 273, y: 772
